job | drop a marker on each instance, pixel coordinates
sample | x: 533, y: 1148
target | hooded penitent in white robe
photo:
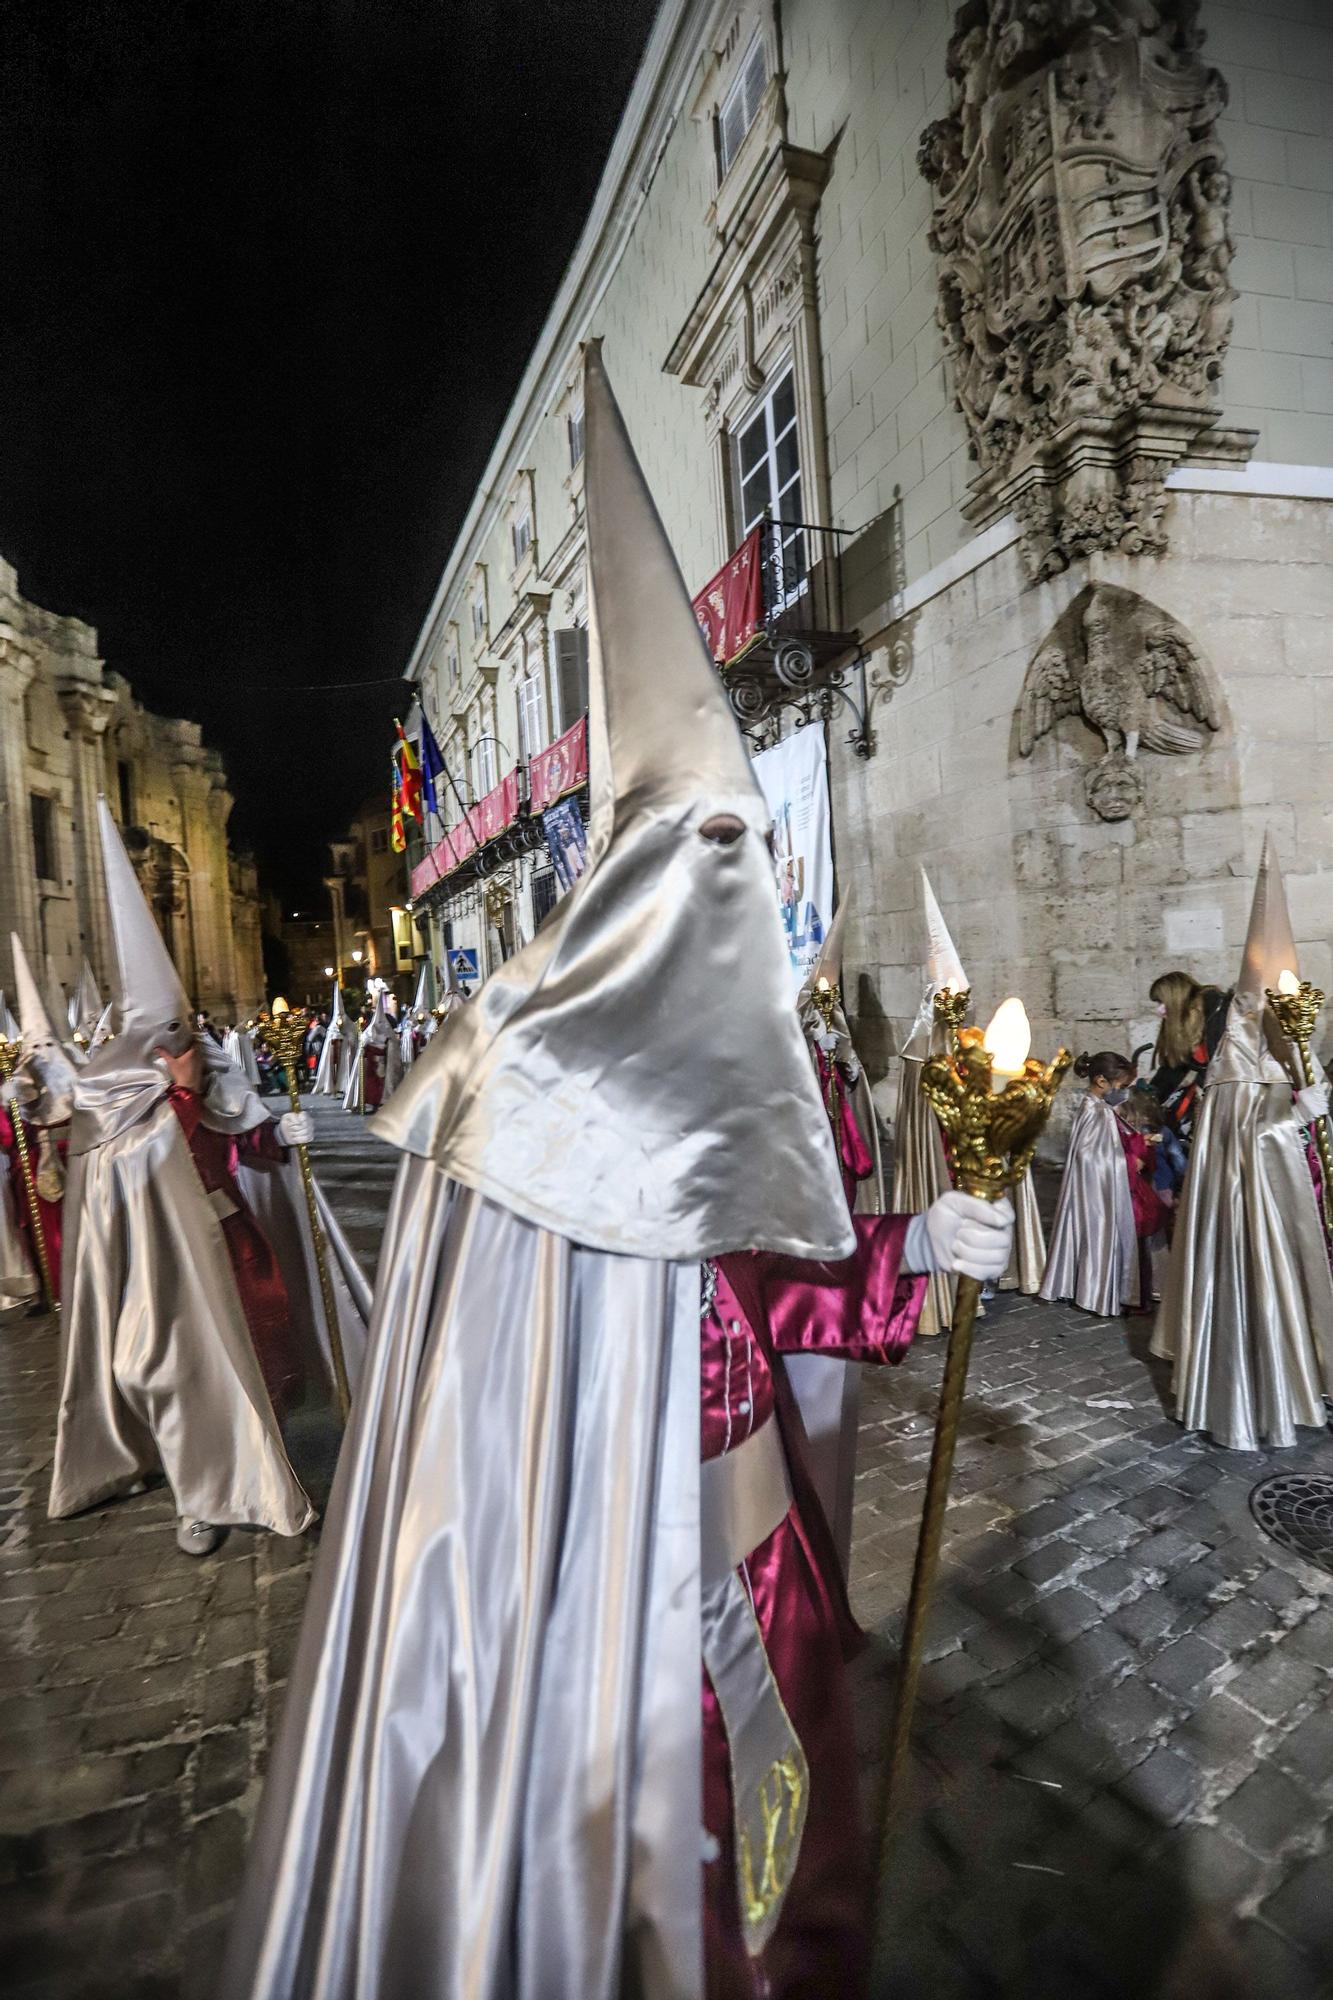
x: 827, y: 1388
x: 330, y: 1072
x: 920, y: 1169
x: 1247, y: 1307
x: 488, y: 1780
x: 158, y: 1368
x: 239, y: 1048
x: 1093, y: 1257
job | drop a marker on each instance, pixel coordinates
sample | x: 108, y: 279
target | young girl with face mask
x: 1093, y: 1258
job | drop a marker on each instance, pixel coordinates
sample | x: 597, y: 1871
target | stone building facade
x: 371, y: 932
x: 1025, y: 312
x: 70, y: 729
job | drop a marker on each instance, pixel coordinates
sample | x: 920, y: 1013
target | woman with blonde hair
x: 1193, y: 1018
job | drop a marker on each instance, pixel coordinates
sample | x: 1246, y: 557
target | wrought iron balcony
x: 773, y: 617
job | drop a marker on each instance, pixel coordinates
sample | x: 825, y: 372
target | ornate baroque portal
x: 1080, y: 220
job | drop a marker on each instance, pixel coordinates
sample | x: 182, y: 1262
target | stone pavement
x: 1125, y: 1760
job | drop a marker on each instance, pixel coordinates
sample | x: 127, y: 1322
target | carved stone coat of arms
x: 1080, y: 220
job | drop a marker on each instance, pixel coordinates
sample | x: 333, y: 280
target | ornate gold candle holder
x: 1297, y: 1006
x: 11, y: 1055
x: 992, y: 1102
x: 951, y: 1005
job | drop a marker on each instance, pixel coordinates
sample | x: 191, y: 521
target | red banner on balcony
x: 489, y: 817
x: 730, y: 607
x: 562, y: 767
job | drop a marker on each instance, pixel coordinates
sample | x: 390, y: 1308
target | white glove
x: 827, y: 1040
x: 296, y: 1128
x: 1312, y: 1103
x: 960, y: 1233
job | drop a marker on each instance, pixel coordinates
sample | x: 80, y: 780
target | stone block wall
x: 1045, y: 899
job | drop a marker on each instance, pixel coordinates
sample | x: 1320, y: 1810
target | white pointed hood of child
x: 828, y: 966
x: 635, y: 1078
x: 943, y: 967
x: 1252, y: 1048
x: 44, y: 1058
x: 425, y: 998
x: 85, y: 1008
x: 122, y: 1080
x: 381, y: 1026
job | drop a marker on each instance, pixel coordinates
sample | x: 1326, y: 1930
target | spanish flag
x: 409, y: 776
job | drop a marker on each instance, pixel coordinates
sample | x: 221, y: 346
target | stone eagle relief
x: 1130, y: 671
x: 1080, y: 221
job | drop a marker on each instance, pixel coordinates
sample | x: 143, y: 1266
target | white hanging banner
x: 793, y: 776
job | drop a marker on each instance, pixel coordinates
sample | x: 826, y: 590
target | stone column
x: 18, y: 877
x: 334, y: 885
x: 219, y: 812
x: 87, y: 709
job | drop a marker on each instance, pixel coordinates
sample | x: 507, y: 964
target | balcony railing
x: 773, y: 618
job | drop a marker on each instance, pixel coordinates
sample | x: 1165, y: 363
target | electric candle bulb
x: 1287, y: 982
x: 821, y: 984
x: 1007, y: 1041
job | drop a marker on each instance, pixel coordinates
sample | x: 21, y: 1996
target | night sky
x: 272, y: 270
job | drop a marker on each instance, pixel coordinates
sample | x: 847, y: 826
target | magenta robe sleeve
x: 862, y: 1309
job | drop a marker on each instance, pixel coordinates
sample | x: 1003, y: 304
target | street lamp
x: 357, y: 957
x: 328, y: 972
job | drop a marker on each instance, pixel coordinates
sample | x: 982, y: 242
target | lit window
x: 521, y: 532
x: 574, y: 425
x: 768, y: 479
x: 741, y: 104
x: 531, y: 735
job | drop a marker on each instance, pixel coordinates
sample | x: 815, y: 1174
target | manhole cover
x: 1296, y: 1509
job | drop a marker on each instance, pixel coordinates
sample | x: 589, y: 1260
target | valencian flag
x: 432, y: 767
x: 397, y: 832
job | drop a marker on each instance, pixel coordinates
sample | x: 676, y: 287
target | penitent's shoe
x: 197, y: 1538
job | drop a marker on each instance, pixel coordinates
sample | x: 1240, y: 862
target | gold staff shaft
x: 926, y: 1566
x: 992, y: 1136
x: 34, y: 1210
x: 1320, y: 1139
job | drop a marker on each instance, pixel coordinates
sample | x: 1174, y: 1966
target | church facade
x: 69, y: 729
x: 994, y: 344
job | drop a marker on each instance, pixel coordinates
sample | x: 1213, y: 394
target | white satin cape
x: 487, y: 1781
x: 1247, y: 1308
x: 157, y: 1365
x: 1093, y: 1257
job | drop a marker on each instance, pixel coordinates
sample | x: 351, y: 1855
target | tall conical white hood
x: 85, y: 1008
x: 635, y: 1078
x: 338, y: 1013
x: 43, y: 1056
x: 1247, y: 1052
x: 154, y: 1009
x: 943, y: 967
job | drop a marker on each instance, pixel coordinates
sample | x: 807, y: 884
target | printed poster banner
x: 567, y: 841
x: 793, y: 776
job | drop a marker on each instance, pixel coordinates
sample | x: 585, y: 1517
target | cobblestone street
x: 1125, y: 1741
